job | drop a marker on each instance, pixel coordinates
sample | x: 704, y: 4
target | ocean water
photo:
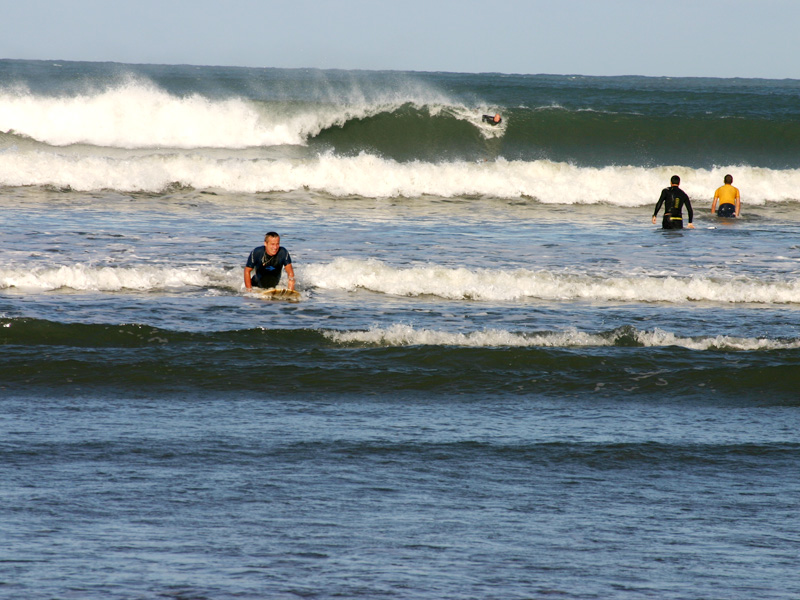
x: 502, y: 380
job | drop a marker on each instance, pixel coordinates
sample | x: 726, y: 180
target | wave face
x: 373, y: 134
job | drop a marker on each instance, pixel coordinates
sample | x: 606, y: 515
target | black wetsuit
x: 490, y: 119
x: 674, y: 199
x: 267, y: 268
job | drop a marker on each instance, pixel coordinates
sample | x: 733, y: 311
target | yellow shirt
x: 727, y: 194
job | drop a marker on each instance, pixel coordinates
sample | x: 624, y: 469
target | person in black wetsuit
x: 268, y: 261
x: 674, y: 199
x: 492, y: 120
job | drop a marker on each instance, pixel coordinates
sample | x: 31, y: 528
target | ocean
x: 502, y: 380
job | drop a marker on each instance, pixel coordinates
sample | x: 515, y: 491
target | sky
x: 689, y: 38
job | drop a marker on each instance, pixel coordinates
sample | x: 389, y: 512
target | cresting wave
x: 137, y: 114
x: 518, y: 285
x: 406, y: 335
x: 405, y: 120
x: 32, y: 332
x: 404, y: 139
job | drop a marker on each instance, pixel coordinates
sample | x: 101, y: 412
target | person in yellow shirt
x: 728, y: 198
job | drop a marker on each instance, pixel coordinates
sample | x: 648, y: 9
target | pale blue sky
x: 716, y: 38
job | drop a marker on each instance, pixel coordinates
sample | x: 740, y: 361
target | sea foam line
x: 449, y: 283
x: 370, y: 176
x: 82, y: 277
x: 406, y: 335
x: 524, y: 284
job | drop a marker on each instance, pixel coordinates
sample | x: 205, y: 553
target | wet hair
x: 675, y: 180
x: 271, y: 234
x: 728, y: 179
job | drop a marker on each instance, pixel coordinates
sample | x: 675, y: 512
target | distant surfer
x: 492, y: 120
x: 268, y: 261
x: 728, y: 198
x: 674, y: 199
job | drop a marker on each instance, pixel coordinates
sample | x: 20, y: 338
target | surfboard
x: 280, y: 294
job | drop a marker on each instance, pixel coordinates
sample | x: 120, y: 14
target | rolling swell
x: 599, y: 456
x: 589, y: 121
x: 591, y: 138
x: 130, y: 360
x: 583, y: 137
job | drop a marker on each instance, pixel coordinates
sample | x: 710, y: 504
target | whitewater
x: 451, y: 284
x: 137, y: 137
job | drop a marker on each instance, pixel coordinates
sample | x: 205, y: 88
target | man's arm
x: 247, y: 283
x: 658, y: 206
x: 689, y: 212
x: 290, y: 275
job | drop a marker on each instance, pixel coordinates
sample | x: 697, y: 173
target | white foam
x: 406, y: 335
x: 138, y: 114
x: 371, y: 176
x: 487, y: 285
x: 83, y: 277
x: 173, y: 137
x: 660, y: 338
x: 526, y: 284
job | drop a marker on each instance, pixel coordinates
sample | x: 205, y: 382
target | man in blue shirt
x: 268, y: 261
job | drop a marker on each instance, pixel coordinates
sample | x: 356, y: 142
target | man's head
x: 728, y: 179
x: 675, y: 180
x: 272, y: 242
x: 496, y: 118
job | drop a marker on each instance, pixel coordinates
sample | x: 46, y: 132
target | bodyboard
x: 280, y: 294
